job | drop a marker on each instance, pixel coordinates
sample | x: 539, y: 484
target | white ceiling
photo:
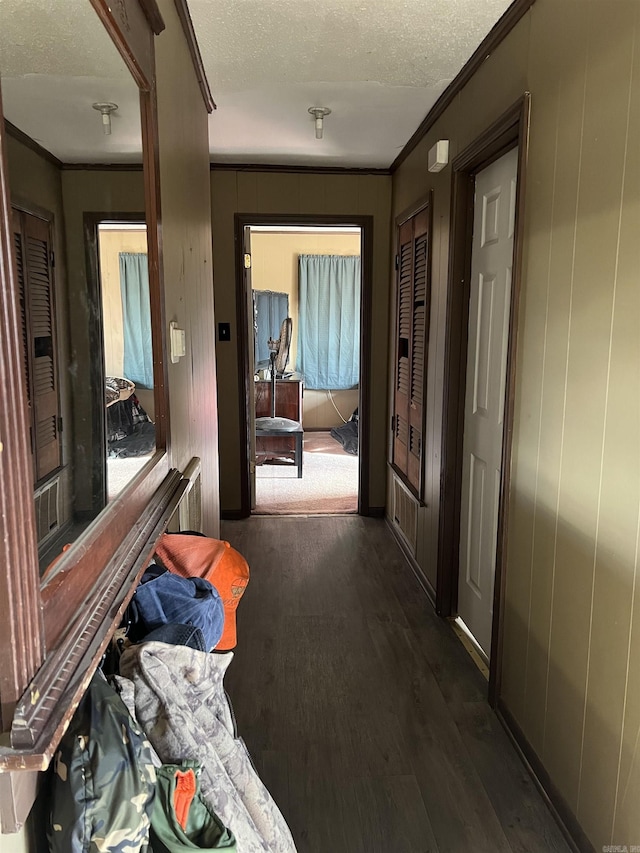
x: 56, y: 60
x: 378, y: 66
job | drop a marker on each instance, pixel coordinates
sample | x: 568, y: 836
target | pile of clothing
x: 152, y: 760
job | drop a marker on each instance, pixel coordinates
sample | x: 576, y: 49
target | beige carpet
x: 120, y: 472
x: 329, y: 482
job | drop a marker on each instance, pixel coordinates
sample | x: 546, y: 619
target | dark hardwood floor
x: 364, y: 715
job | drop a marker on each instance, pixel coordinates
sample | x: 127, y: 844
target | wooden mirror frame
x: 52, y: 636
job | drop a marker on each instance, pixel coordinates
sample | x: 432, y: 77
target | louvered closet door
x: 403, y: 339
x: 39, y: 327
x: 411, y: 347
x: 419, y: 314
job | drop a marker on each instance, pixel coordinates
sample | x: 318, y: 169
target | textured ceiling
x: 56, y: 60
x: 378, y: 66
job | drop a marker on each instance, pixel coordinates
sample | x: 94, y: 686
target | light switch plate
x: 177, y: 341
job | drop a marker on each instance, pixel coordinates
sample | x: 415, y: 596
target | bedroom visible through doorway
x: 310, y: 277
x: 128, y: 355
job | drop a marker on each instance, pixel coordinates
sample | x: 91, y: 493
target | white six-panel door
x: 491, y: 265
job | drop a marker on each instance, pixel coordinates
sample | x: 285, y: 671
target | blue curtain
x: 329, y: 321
x: 136, y: 315
x: 270, y: 309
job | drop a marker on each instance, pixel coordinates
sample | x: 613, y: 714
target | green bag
x: 102, y: 782
x: 181, y: 819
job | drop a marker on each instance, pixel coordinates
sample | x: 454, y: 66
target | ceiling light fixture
x: 319, y: 113
x: 106, y: 109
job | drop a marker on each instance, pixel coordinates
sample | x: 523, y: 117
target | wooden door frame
x: 365, y: 223
x: 511, y: 129
x: 92, y: 221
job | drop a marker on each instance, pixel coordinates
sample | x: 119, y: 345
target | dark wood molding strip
x: 64, y: 593
x: 493, y: 142
x: 295, y: 170
x: 128, y: 27
x: 153, y: 208
x: 364, y: 398
x: 95, y: 321
x: 556, y: 803
x: 196, y: 57
x: 488, y: 45
x: 365, y: 222
x: 376, y: 512
x: 102, y: 167
x: 28, y: 142
x: 416, y: 207
x: 34, y: 146
x: 21, y: 628
x: 523, y: 110
x: 54, y: 693
x: 153, y: 16
x: 232, y: 515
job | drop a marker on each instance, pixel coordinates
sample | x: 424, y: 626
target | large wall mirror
x: 71, y: 101
x: 81, y: 350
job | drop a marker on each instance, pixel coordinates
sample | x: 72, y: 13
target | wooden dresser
x: 288, y: 405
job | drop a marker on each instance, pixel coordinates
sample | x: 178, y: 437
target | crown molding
x: 196, y: 57
x: 496, y: 35
x: 295, y: 170
x: 30, y: 143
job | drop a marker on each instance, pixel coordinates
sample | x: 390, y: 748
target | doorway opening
x: 304, y: 310
x: 479, y: 388
x: 122, y: 266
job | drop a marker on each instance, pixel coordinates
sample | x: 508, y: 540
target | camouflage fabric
x: 181, y: 704
x: 191, y: 825
x: 102, y: 779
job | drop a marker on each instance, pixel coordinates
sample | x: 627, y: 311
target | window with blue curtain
x: 270, y: 309
x: 136, y: 316
x: 329, y: 321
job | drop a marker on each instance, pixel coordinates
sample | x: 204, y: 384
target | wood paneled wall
x: 35, y: 181
x: 272, y: 192
x: 83, y: 191
x: 188, y: 263
x: 571, y: 678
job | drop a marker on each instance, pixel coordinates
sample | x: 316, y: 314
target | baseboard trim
x: 565, y: 818
x: 376, y: 512
x: 232, y: 515
x: 422, y: 579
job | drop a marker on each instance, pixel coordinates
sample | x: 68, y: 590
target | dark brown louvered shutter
x: 33, y: 263
x: 411, y: 348
x: 419, y: 309
x: 403, y: 341
x: 18, y: 251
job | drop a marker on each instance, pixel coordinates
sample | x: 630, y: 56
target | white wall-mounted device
x: 439, y: 155
x: 177, y: 342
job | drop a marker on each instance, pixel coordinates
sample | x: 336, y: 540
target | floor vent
x: 47, y: 510
x: 405, y: 513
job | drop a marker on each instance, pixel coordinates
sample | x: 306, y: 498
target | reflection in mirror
x: 80, y: 337
x: 128, y: 354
